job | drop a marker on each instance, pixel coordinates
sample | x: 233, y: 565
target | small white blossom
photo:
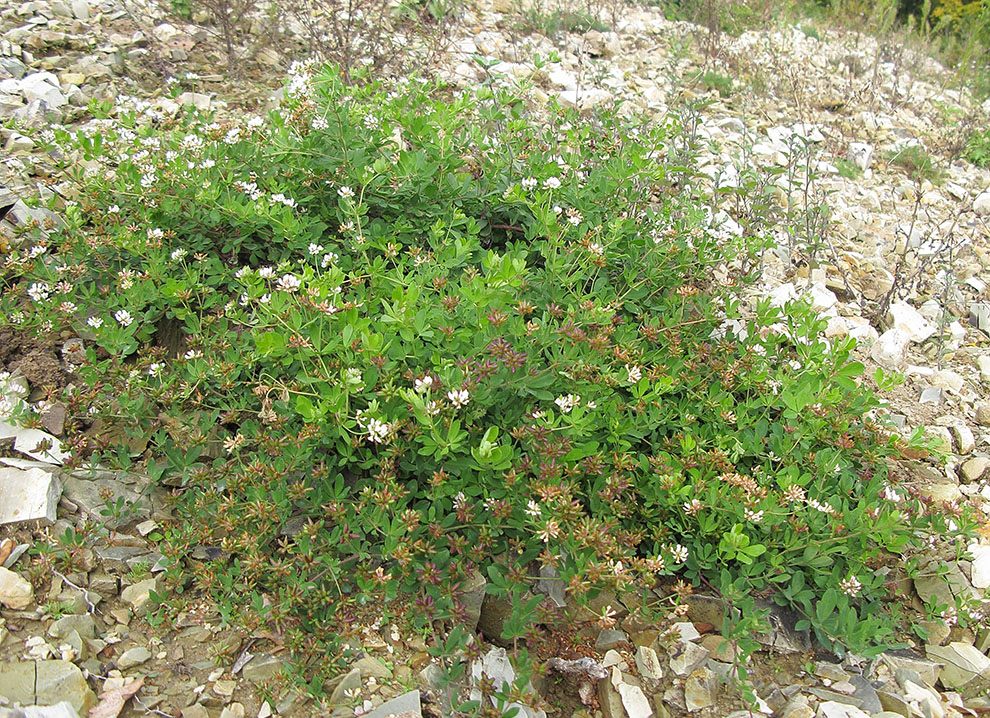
x: 266, y: 272
x: 314, y: 248
x: 597, y: 249
x: 39, y: 291
x: 193, y: 354
x: 552, y: 183
x: 529, y: 183
x: 423, y: 384
x: 179, y: 254
x: 458, y: 397
x: 345, y: 192
x: 123, y: 317
x: 95, y: 322
x: 377, y: 431
x: 533, y: 509
x: 288, y: 283
x: 678, y: 553
x: 566, y: 403
x: 319, y: 123
x: 634, y: 373
x: 850, y: 586
x: 754, y: 516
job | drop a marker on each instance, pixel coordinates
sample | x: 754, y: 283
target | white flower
x: 533, y: 509
x: 155, y: 369
x: 460, y: 500
x: 574, y: 218
x: 37, y: 250
x: 692, y: 507
x: 95, y: 322
x: 597, y: 249
x: 377, y: 431
x: 328, y: 259
x: 319, y: 123
x: 114, y: 209
x: 193, y: 354
x: 155, y: 233
x: 754, y: 516
x: 423, y: 384
x: 551, y: 183
x: 242, y: 272
x: 314, y: 248
x: 458, y: 397
x: 255, y: 122
x: 123, y: 317
x: 850, y: 586
x: 634, y: 373
x: 39, y: 291
x: 265, y: 298
x: 566, y: 403
x: 529, y: 183
x: 288, y: 283
x: 433, y: 408
x: 266, y: 272
x: 17, y: 317
x: 345, y: 191
x: 178, y: 254
x: 678, y: 553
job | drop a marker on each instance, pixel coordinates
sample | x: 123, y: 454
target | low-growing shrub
x: 426, y: 333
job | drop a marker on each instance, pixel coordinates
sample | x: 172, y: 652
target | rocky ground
x: 902, y: 265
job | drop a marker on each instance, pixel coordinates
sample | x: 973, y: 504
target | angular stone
x: 889, y: 349
x: 831, y: 709
x: 634, y: 701
x: 609, y: 638
x: 407, y: 705
x: 133, y: 657
x: 138, y: 595
x: 28, y: 495
x: 262, y: 668
x: 46, y: 683
x: 910, y: 321
x: 797, y: 707
x: 372, y: 667
x: 687, y: 658
x: 350, y: 682
x: 700, y: 689
x: 83, y: 624
x: 975, y: 468
x: 860, y: 154
x: 928, y: 670
x: 981, y: 205
x: 983, y: 414
x: 948, y: 380
x: 965, y: 440
x: 966, y: 669
x: 15, y: 591
x: 648, y: 664
x: 472, y: 597
x: 980, y: 571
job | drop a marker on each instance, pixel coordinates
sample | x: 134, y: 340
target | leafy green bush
x: 712, y: 80
x: 424, y: 333
x: 978, y: 148
x: 918, y: 164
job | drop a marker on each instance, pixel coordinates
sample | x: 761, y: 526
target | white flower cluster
x: 566, y: 403
x: 376, y: 429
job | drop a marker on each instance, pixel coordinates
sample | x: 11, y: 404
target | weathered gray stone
x: 974, y: 469
x: 686, y: 658
x: 83, y: 624
x: 933, y: 588
x: 133, y: 657
x: 831, y: 709
x: 350, y: 682
x: 966, y: 669
x: 472, y: 598
x: 46, y: 683
x: 610, y: 638
x: 700, y: 689
x: 28, y: 495
x: 63, y: 709
x: 262, y: 668
x: 797, y: 707
x: 405, y: 706
x: 372, y: 667
x: 15, y: 591
x: 138, y: 595
x: 648, y: 664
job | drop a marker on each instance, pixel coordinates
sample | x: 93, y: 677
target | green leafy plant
x: 712, y: 80
x: 434, y: 336
x: 978, y: 148
x: 917, y: 163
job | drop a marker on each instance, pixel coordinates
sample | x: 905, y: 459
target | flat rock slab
x: 28, y: 495
x: 405, y: 706
x: 46, y: 683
